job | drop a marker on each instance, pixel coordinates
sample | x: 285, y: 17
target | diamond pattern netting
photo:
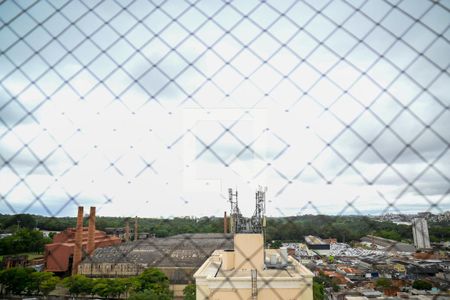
x: 103, y: 101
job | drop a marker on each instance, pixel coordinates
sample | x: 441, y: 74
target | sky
x: 157, y: 108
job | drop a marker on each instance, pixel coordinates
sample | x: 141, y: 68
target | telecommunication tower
x: 254, y: 224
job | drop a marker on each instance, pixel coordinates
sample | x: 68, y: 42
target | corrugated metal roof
x: 184, y: 250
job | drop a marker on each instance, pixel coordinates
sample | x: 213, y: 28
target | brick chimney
x: 127, y: 231
x: 136, y: 228
x: 77, y: 252
x: 91, y: 231
x: 225, y: 222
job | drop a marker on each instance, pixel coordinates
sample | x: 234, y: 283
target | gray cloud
x: 160, y: 69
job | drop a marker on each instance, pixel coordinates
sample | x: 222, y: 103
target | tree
x: 111, y: 288
x: 23, y: 240
x: 43, y: 282
x: 125, y: 284
x: 383, y: 283
x: 149, y: 295
x: 16, y: 280
x: 189, y: 292
x: 21, y: 220
x: 48, y: 285
x: 422, y: 285
x: 318, y: 291
x: 389, y: 234
x: 101, y: 288
x: 118, y: 286
x: 152, y: 279
x: 51, y: 235
x: 276, y: 244
x: 78, y: 285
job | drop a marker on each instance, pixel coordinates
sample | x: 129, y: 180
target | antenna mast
x: 255, y: 224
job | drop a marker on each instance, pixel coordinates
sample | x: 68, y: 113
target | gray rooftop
x: 390, y: 245
x: 184, y: 250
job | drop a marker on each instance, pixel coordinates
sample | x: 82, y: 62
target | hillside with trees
x: 344, y: 228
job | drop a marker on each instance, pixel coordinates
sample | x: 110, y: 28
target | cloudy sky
x: 156, y: 108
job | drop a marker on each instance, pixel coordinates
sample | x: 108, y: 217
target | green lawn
x: 31, y: 255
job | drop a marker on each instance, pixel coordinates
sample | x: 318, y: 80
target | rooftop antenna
x: 254, y: 224
x: 234, y: 213
x: 259, y: 216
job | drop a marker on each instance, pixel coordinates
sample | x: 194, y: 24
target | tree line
x: 22, y: 241
x: 344, y: 228
x: 152, y: 284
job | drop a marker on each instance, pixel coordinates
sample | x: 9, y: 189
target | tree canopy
x: 318, y: 291
x: 344, y: 228
x: 19, y: 281
x: 383, y: 283
x: 23, y: 240
x: 422, y: 285
x: 78, y: 285
x: 189, y: 292
x: 152, y: 279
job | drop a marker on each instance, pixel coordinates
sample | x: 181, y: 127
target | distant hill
x: 344, y: 228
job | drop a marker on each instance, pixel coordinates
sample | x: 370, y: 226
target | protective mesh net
x: 169, y: 103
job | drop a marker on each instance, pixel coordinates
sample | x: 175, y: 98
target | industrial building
x: 178, y: 256
x: 248, y: 271
x: 68, y: 247
x: 420, y: 233
x: 317, y: 245
x: 387, y: 244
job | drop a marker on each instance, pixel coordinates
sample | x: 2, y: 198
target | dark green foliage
x: 20, y: 220
x: 79, y: 285
x: 42, y: 283
x: 20, y: 281
x: 318, y: 291
x: 422, y: 285
x: 48, y: 285
x: 149, y: 295
x: 383, y: 283
x: 389, y: 234
x: 344, y: 228
x: 16, y: 281
x: 151, y: 284
x: 327, y: 282
x: 189, y: 292
x: 51, y: 235
x: 122, y: 285
x: 152, y: 279
x: 275, y: 244
x: 101, y: 288
x: 24, y: 240
x: 111, y: 288
x: 439, y: 232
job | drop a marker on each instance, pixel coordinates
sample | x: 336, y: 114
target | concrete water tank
x: 284, y: 255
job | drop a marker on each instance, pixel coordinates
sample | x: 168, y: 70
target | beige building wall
x: 248, y: 251
x: 268, y: 289
x: 215, y: 283
x: 264, y: 294
x: 177, y: 289
x: 110, y: 269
